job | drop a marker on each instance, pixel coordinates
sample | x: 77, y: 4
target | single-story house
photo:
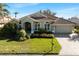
x: 48, y: 22
x: 75, y: 20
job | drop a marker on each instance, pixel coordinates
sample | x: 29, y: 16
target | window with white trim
x: 47, y: 26
x: 37, y: 26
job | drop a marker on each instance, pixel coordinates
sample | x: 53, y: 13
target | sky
x: 65, y: 10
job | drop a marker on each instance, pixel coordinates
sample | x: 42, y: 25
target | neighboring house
x: 51, y: 23
x: 75, y: 20
x: 4, y: 20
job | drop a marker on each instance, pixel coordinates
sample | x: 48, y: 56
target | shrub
x: 47, y: 35
x: 9, y: 30
x: 22, y: 35
x: 13, y: 32
x: 76, y: 31
x: 40, y: 31
x: 42, y: 35
x: 76, y: 27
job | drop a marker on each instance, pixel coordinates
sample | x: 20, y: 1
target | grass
x: 36, y: 45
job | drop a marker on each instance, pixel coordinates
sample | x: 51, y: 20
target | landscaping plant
x: 42, y: 33
x: 9, y: 30
x: 22, y: 35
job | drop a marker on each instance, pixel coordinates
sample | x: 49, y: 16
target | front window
x: 37, y: 26
x: 47, y: 26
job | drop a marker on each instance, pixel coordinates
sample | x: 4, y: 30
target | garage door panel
x: 63, y: 29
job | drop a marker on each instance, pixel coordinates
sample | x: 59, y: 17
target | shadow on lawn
x: 28, y: 54
x: 42, y: 53
x: 3, y: 38
x: 10, y: 39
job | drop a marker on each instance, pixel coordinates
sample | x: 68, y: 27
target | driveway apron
x: 69, y: 47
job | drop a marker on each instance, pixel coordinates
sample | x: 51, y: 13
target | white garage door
x: 63, y: 29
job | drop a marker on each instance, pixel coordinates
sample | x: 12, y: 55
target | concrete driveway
x: 69, y: 47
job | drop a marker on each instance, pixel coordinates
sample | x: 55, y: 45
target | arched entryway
x: 28, y: 27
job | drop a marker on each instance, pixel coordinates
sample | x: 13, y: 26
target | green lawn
x: 36, y: 45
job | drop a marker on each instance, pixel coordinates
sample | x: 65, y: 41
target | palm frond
x: 5, y: 10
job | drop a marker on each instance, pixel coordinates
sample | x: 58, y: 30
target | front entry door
x: 28, y: 27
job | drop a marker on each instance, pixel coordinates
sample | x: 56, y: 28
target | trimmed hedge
x: 41, y: 31
x: 42, y: 35
x: 47, y: 32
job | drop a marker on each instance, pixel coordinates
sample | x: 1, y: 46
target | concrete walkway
x: 69, y: 47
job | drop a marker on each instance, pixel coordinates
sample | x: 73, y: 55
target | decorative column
x: 32, y: 27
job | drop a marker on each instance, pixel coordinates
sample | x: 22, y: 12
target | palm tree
x: 48, y: 12
x: 51, y: 13
x: 15, y: 14
x: 3, y: 10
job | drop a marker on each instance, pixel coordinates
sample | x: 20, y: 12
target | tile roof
x: 41, y: 16
x: 63, y: 21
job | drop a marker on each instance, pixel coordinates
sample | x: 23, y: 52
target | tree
x: 15, y: 14
x: 10, y: 29
x: 3, y: 10
x: 48, y: 12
